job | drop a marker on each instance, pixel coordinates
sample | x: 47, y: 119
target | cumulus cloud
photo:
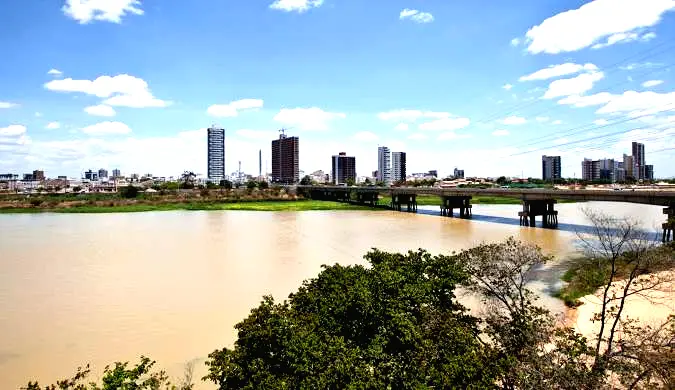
x: 402, y: 127
x: 416, y: 16
x: 507, y: 87
x: 232, y: 109
x: 500, y: 133
x: 445, y: 124
x: 53, y: 126
x: 652, y: 83
x: 513, y: 120
x: 515, y: 42
x: 100, y: 110
x: 312, y: 118
x: 630, y: 102
x: 84, y: 11
x: 365, y: 136
x: 553, y: 71
x: 121, y: 90
x: 298, y: 6
x: 592, y: 22
x: 12, y: 130
x: 104, y: 128
x: 8, y: 105
x: 54, y: 72
x: 573, y: 86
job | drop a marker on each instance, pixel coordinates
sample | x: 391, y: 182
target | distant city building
x: 286, y: 160
x: 590, y: 170
x: 383, y: 164
x: 458, y: 174
x: 102, y: 173
x: 344, y: 168
x: 38, y: 175
x: 638, y: 152
x: 375, y: 174
x: 628, y: 166
x: 215, y: 154
x: 607, y: 169
x: 9, y: 176
x: 91, y: 175
x: 116, y: 173
x: 434, y: 173
x: 649, y: 172
x: 550, y: 168
x: 398, y: 166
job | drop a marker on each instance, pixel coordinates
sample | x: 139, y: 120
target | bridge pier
x: 669, y: 225
x: 369, y: 198
x: 449, y: 203
x: 398, y: 200
x: 534, y: 208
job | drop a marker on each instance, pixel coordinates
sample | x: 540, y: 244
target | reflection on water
x: 171, y: 285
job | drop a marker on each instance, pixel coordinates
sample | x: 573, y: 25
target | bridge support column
x: 449, y: 203
x: 369, y: 198
x: 398, y: 200
x: 669, y: 225
x: 534, y: 208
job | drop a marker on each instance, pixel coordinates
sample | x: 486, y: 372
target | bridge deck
x: 661, y: 198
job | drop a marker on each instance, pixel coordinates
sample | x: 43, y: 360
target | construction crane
x: 283, y: 131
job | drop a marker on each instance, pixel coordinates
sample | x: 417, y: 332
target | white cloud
x: 515, y: 42
x: 445, y: 124
x: 500, y: 133
x: 507, y: 87
x: 53, y: 125
x: 257, y: 134
x: 84, y: 11
x: 639, y: 65
x: 600, y: 122
x: 100, y: 110
x: 12, y: 130
x: 38, y: 114
x: 121, y: 90
x: 585, y: 101
x: 573, y: 86
x: 299, y: 6
x: 7, y: 105
x: 232, y: 109
x: 557, y: 122
x: 542, y: 119
x: 402, y: 127
x: 652, y: 83
x: 513, y: 120
x: 107, y: 128
x: 54, y: 72
x: 312, y: 118
x: 365, y: 136
x: 582, y: 27
x: 553, y: 71
x: 411, y: 115
x: 630, y: 102
x: 416, y: 16
x: 417, y: 137
x: 616, y: 38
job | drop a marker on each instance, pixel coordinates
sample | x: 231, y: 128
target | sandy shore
x: 649, y: 308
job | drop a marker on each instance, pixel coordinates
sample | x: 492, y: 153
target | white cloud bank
x: 105, y: 128
x: 298, y: 6
x: 594, y: 22
x: 559, y: 70
x: 416, y: 16
x: 573, y: 86
x: 84, y: 11
x: 232, y: 109
x: 652, y: 83
x: 100, y: 110
x: 8, y: 105
x: 53, y: 126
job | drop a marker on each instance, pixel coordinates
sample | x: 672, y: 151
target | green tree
x: 251, y: 184
x: 263, y: 185
x: 226, y: 184
x: 129, y: 191
x: 306, y: 181
x: 395, y: 324
x: 350, y: 182
x: 187, y: 180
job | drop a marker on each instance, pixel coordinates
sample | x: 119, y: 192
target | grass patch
x: 290, y: 205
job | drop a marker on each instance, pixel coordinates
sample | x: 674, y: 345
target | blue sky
x: 485, y: 86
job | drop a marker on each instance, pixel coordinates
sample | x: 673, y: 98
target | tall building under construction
x: 286, y: 159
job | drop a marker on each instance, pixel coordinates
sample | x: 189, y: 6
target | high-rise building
x: 102, y: 173
x: 91, y: 175
x: 649, y: 172
x: 259, y: 162
x: 550, y: 168
x: 590, y: 170
x: 638, y: 152
x: 434, y: 173
x: 215, y: 154
x: 383, y: 164
x: 458, y: 173
x: 344, y: 169
x: 286, y: 160
x: 628, y: 166
x: 607, y: 167
x: 116, y: 173
x: 398, y: 166
x: 38, y: 175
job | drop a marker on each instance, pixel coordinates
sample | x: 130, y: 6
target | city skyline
x: 141, y: 104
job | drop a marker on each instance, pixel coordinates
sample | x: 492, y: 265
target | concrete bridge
x: 536, y: 202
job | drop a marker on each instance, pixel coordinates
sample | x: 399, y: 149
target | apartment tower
x: 384, y: 164
x: 286, y: 159
x: 398, y: 166
x: 215, y: 154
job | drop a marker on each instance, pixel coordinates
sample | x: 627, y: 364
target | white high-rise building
x: 215, y: 154
x: 384, y: 164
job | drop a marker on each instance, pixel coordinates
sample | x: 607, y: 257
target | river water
x: 98, y: 288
